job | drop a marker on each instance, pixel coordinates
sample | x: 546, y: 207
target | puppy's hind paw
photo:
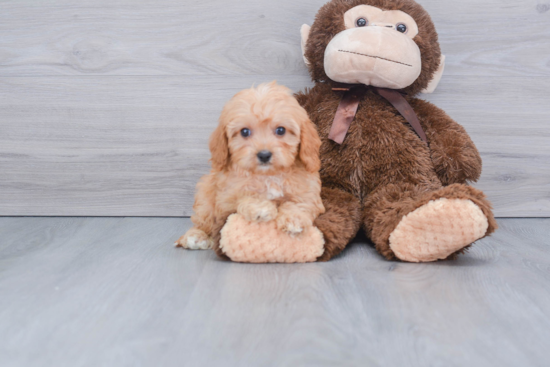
x: 195, y: 239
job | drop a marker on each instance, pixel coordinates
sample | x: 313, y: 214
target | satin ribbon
x: 347, y: 109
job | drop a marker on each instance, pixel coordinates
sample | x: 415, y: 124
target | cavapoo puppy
x: 265, y: 163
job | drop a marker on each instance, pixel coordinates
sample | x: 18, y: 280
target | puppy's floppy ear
x: 219, y: 148
x: 309, y: 146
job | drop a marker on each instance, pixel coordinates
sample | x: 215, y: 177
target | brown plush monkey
x: 409, y: 195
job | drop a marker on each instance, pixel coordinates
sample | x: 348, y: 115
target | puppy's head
x: 265, y: 130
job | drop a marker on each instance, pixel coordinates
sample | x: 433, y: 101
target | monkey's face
x: 375, y: 49
x: 384, y: 43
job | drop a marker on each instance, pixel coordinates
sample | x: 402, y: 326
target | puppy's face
x: 263, y: 127
x: 263, y: 141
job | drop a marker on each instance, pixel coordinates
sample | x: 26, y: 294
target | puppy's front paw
x: 258, y: 211
x: 292, y: 223
x: 195, y: 239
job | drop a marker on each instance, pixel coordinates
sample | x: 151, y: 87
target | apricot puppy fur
x: 265, y: 166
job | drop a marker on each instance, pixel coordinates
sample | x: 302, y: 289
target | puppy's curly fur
x: 286, y: 188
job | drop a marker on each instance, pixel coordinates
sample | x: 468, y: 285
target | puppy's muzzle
x: 264, y: 156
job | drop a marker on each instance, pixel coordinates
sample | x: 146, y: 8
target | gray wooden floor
x: 113, y: 292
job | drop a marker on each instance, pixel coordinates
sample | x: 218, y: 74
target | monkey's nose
x: 264, y: 156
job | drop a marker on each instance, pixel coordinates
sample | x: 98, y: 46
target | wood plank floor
x: 114, y: 292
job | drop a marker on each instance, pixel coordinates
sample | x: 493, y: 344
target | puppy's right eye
x: 245, y: 133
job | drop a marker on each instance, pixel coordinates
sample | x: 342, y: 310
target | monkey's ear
x: 436, y: 78
x: 304, y: 31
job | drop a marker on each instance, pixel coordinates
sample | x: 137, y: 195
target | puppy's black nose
x: 264, y: 156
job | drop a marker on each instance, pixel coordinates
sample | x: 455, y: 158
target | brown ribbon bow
x: 349, y: 104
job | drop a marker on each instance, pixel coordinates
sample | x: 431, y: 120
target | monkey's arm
x: 311, y: 98
x: 304, y: 99
x: 454, y: 155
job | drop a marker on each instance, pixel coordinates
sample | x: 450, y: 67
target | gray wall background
x: 106, y: 106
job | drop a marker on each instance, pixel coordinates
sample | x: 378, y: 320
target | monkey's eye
x: 361, y: 22
x: 280, y: 131
x: 401, y: 28
x: 245, y: 133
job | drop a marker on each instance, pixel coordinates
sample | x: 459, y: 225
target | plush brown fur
x: 383, y: 171
x: 341, y: 221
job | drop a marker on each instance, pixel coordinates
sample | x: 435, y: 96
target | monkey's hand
x: 454, y: 155
x: 455, y: 163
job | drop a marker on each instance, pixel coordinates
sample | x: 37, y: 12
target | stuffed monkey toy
x: 392, y: 164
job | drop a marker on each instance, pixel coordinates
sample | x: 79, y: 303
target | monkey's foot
x: 438, y: 229
x: 262, y: 242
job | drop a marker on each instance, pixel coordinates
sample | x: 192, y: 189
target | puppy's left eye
x: 280, y: 131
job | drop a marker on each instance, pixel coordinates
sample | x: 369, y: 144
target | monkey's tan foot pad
x: 262, y: 242
x: 438, y: 229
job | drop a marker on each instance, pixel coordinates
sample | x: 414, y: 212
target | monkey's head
x: 383, y: 43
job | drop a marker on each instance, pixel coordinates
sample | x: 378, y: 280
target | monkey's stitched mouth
x: 375, y: 57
